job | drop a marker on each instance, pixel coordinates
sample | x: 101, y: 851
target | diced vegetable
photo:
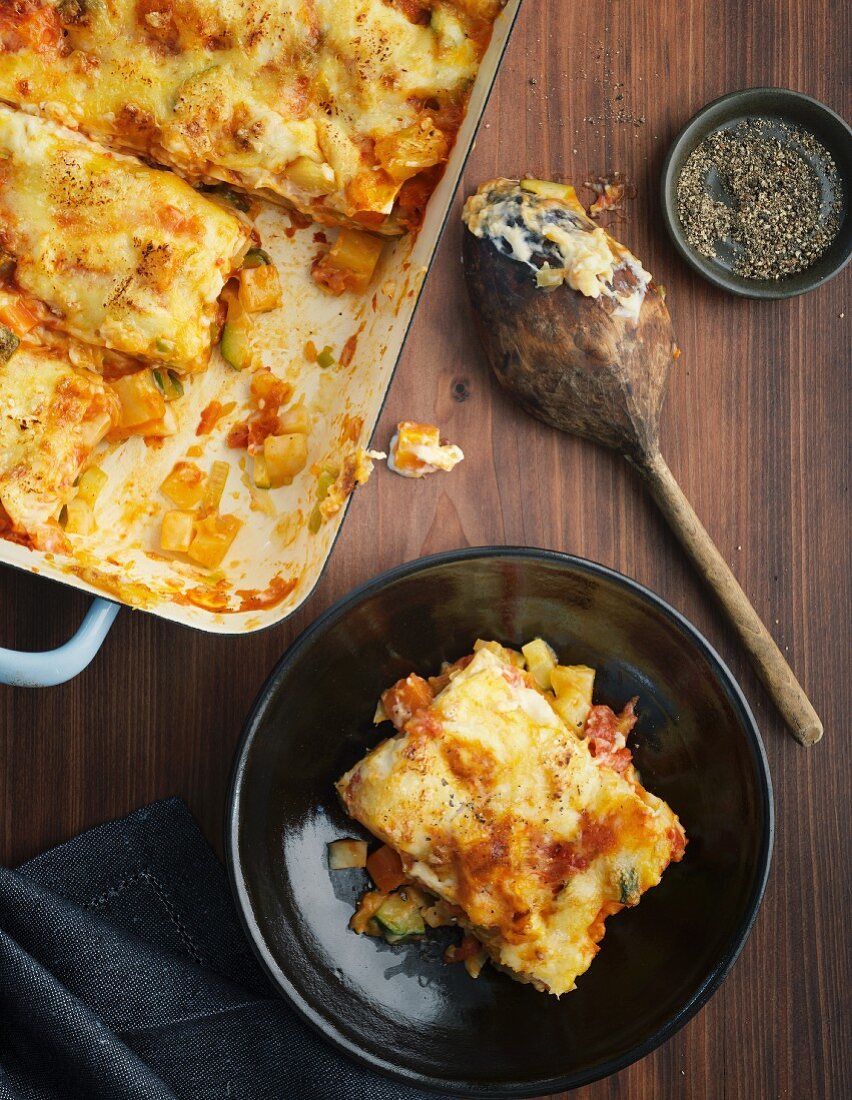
x: 80, y: 519
x: 177, y: 531
x: 9, y: 343
x: 406, y: 698
x: 215, y: 485
x: 325, y: 358
x: 541, y: 660
x: 260, y: 288
x: 294, y: 420
x: 185, y: 485
x: 566, y: 679
x: 550, y: 190
x: 385, y: 869
x: 350, y: 263
x: 141, y: 400
x: 343, y: 854
x: 236, y: 344
x: 261, y: 472
x: 256, y: 257
x: 370, y: 192
x: 15, y: 315
x: 310, y: 176
x: 408, y: 151
x: 168, y: 383
x: 628, y: 887
x: 327, y: 477
x: 548, y: 278
x: 315, y: 520
x: 400, y: 917
x: 212, y: 540
x: 164, y: 347
x: 90, y: 485
x: 286, y: 456
x: 269, y: 389
x: 573, y: 685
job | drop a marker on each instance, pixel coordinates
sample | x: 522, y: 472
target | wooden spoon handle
x: 767, y: 658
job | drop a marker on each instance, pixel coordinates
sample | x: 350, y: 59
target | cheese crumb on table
x: 417, y: 450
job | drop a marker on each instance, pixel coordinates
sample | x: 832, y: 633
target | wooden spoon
x: 584, y: 366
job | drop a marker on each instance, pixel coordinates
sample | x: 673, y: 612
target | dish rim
x: 691, y: 133
x: 253, y: 931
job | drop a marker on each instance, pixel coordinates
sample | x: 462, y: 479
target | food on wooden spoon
x: 577, y: 331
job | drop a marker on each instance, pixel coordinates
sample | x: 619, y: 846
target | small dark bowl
x: 401, y: 1010
x: 774, y: 105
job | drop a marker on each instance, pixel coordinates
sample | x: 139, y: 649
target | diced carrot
x: 405, y: 698
x: 385, y: 869
x: 211, y: 415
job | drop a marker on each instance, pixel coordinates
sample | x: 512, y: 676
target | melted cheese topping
x: 497, y: 807
x: 51, y: 419
x: 557, y: 240
x: 124, y: 256
x: 290, y: 97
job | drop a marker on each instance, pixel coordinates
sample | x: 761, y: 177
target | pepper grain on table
x: 756, y: 428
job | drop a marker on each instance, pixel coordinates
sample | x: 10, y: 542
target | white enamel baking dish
x: 121, y: 559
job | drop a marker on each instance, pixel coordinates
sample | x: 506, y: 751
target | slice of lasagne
x: 530, y: 833
x: 329, y: 105
x: 51, y: 419
x: 121, y: 255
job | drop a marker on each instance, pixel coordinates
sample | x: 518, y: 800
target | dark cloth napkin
x: 124, y: 975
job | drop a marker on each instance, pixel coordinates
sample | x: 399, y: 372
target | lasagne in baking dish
x: 138, y: 142
x: 121, y: 255
x: 509, y: 805
x: 333, y: 106
x: 51, y: 419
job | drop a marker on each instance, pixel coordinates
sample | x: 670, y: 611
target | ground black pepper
x: 763, y: 195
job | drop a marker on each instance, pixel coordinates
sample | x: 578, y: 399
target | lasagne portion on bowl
x: 515, y: 811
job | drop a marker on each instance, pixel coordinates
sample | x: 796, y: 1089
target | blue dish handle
x: 55, y: 666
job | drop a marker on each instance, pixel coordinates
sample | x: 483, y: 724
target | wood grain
x: 756, y: 430
x: 768, y: 661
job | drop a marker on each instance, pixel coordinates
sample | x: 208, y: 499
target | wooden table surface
x: 756, y: 429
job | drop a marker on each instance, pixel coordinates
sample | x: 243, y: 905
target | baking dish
x: 276, y: 559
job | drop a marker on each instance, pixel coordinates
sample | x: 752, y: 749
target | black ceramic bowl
x: 773, y: 105
x: 400, y: 1009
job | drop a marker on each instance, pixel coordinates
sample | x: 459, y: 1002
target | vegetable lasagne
x: 332, y: 106
x: 123, y: 256
x: 513, y: 801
